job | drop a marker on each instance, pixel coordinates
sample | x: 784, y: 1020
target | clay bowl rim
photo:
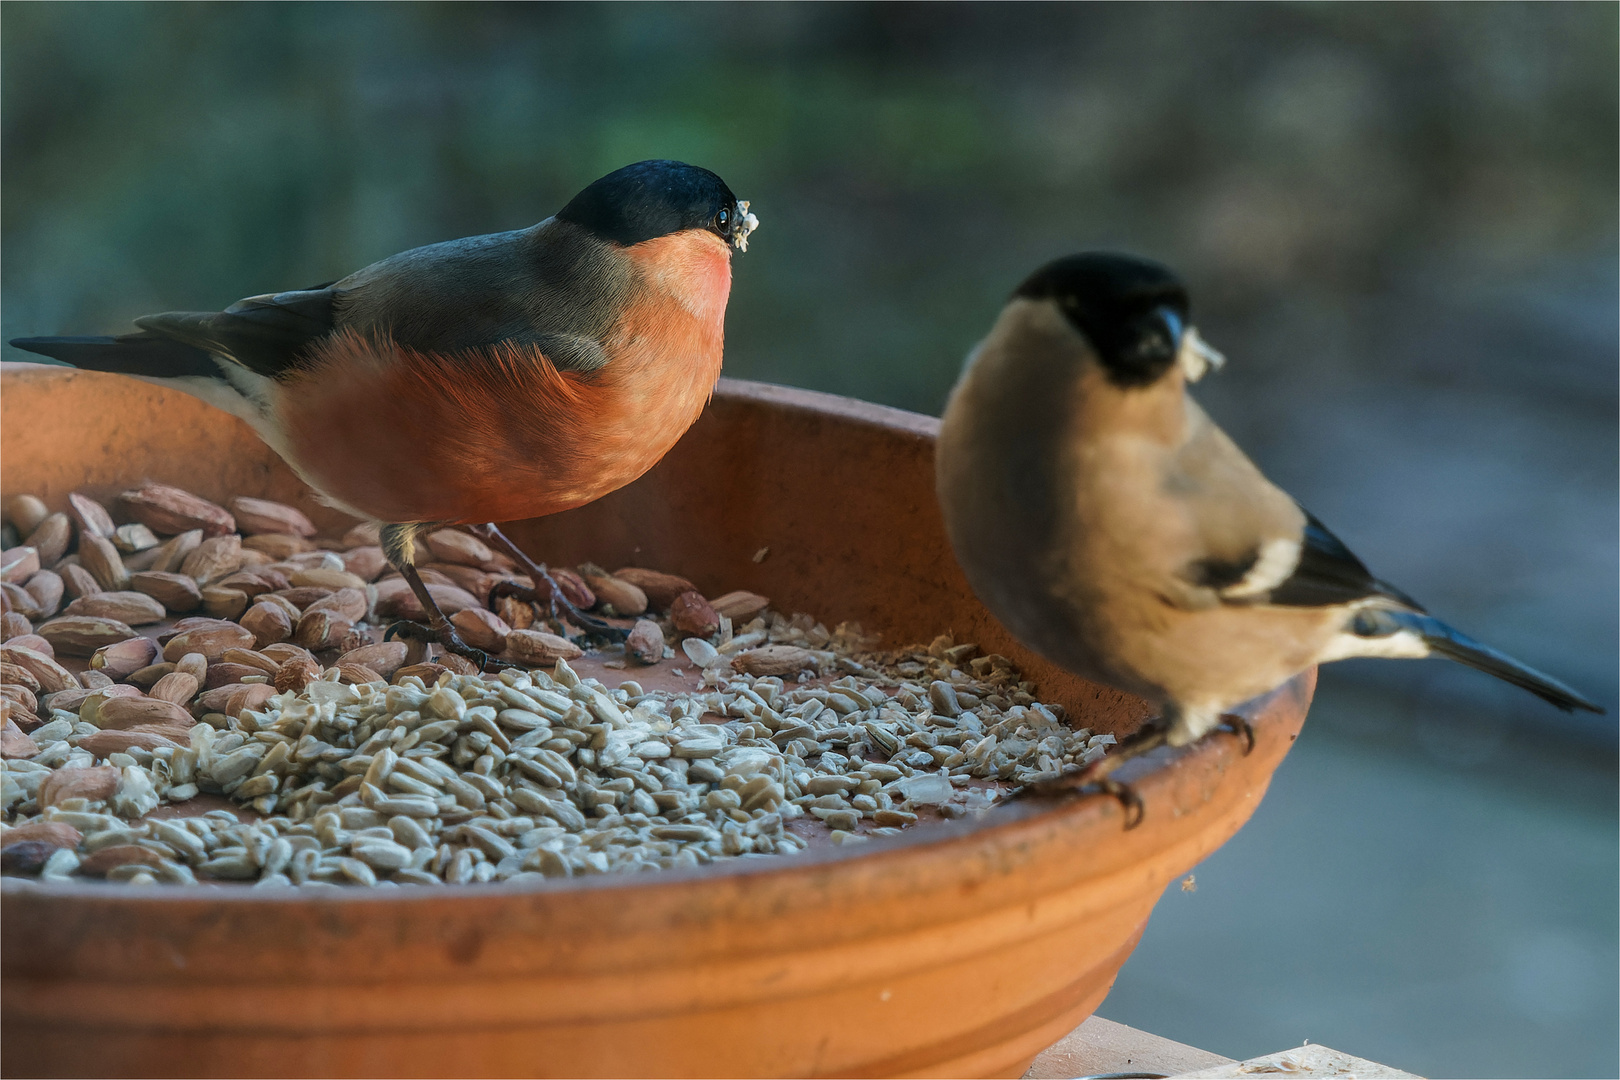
x: 1152, y: 776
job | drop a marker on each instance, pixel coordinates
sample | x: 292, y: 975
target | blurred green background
x: 1398, y: 221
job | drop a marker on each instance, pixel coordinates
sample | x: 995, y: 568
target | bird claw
x: 1240, y: 727
x: 405, y: 629
x: 1080, y: 782
x: 560, y: 607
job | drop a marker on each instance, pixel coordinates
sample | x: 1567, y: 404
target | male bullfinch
x: 1113, y: 528
x: 487, y: 379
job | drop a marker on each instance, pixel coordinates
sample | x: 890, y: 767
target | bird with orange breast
x: 492, y: 378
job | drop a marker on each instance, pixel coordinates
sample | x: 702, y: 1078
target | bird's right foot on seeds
x: 447, y: 638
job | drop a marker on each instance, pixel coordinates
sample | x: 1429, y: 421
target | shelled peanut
x: 250, y: 600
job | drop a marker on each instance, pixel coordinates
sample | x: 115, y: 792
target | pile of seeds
x: 339, y: 762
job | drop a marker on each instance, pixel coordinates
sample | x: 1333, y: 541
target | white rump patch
x: 1278, y: 558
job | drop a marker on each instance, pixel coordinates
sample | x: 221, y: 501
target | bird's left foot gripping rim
x: 1072, y: 784
x: 1094, y: 779
x: 399, y: 547
x: 546, y: 590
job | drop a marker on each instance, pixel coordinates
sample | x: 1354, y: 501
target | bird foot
x: 447, y: 638
x: 1083, y: 782
x: 561, y: 609
x: 541, y: 577
x: 1240, y: 727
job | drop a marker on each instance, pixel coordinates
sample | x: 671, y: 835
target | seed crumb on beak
x: 1197, y: 356
x: 746, y: 224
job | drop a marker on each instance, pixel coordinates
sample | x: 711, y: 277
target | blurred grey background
x: 1398, y: 221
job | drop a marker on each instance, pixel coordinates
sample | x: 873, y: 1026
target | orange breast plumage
x: 498, y: 433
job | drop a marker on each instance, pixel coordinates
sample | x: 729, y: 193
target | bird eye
x: 722, y: 220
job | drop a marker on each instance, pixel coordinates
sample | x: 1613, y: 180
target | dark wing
x: 1328, y: 573
x: 558, y: 290
x: 265, y: 334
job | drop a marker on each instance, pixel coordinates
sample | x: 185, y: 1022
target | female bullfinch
x: 1111, y: 526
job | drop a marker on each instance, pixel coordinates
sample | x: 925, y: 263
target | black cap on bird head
x: 655, y: 198
x: 1132, y: 311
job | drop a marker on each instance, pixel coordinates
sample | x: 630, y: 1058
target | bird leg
x: 398, y: 544
x: 552, y: 592
x: 1094, y: 779
x: 1240, y: 727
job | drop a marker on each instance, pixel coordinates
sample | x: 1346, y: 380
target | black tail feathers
x: 129, y: 354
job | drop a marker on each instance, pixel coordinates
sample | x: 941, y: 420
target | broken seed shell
x: 645, y: 645
x: 319, y: 630
x: 348, y: 604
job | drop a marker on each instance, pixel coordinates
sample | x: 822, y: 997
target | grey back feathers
x: 553, y: 284
x: 558, y: 287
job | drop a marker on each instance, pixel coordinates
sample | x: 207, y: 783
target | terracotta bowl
x: 958, y: 949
